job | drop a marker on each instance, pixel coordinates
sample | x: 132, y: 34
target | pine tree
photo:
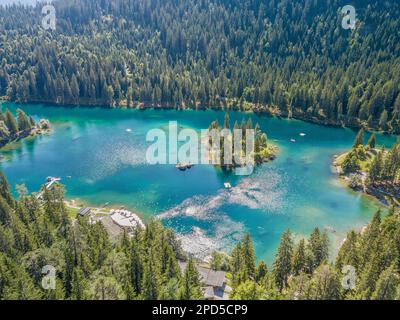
x: 376, y: 167
x: 299, y: 260
x: 11, y: 123
x: 4, y: 132
x: 237, y: 265
x: 348, y: 253
x: 359, y: 140
x: 283, y: 261
x: 151, y: 279
x: 5, y: 190
x: 226, y: 121
x: 387, y: 284
x: 23, y: 121
x: 249, y: 257
x: 325, y: 284
x: 262, y: 271
x: 249, y: 290
x: 190, y: 286
x: 32, y: 122
x: 372, y: 141
x: 78, y: 285
x: 318, y: 246
x: 106, y: 288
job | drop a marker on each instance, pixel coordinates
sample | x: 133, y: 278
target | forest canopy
x: 291, y: 58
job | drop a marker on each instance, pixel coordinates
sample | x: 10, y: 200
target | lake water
x: 100, y: 156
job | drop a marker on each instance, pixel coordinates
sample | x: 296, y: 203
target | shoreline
x: 373, y: 192
x: 99, y: 212
x: 258, y: 109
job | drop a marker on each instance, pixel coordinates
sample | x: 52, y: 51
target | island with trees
x: 263, y: 151
x: 17, y: 128
x: 371, y: 169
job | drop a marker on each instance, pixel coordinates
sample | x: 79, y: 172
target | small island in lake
x: 14, y: 129
x: 262, y: 150
x: 373, y: 170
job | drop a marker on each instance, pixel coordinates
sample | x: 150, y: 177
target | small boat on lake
x: 183, y: 166
x: 50, y: 179
x: 227, y: 185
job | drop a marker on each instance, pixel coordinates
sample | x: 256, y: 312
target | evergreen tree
x: 78, y: 285
x: 299, y: 261
x: 249, y: 290
x: 23, y: 121
x: 262, y: 271
x: 283, y: 262
x: 106, y: 288
x: 249, y: 257
x: 387, y: 284
x: 150, y: 284
x: 372, y: 141
x: 5, y: 190
x: 359, y: 140
x: 11, y: 123
x: 237, y: 265
x: 376, y: 167
x: 190, y: 287
x: 318, y: 246
x: 325, y: 284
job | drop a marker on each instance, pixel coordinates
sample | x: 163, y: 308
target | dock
x: 48, y: 185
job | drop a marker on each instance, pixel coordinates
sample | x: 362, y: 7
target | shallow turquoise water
x: 107, y: 164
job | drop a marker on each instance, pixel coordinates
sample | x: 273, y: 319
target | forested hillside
x: 35, y: 234
x: 287, y: 57
x: 366, y: 267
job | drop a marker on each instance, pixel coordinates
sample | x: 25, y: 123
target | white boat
x: 227, y: 185
x: 302, y: 134
x: 128, y: 130
x: 49, y: 179
x: 292, y: 140
x: 183, y: 166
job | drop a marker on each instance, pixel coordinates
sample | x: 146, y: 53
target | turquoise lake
x: 100, y: 156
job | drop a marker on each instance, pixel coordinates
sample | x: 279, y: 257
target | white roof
x: 125, y: 218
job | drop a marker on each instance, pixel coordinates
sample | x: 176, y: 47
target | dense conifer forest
x: 285, y: 57
x: 34, y: 234
x: 366, y: 267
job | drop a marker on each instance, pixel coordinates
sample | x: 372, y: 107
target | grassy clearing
x: 72, y: 213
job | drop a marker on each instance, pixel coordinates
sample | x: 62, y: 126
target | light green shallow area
x: 100, y: 156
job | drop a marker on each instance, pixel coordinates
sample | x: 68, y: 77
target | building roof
x: 208, y: 276
x: 215, y: 278
x: 84, y: 211
x: 125, y: 218
x: 113, y: 230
